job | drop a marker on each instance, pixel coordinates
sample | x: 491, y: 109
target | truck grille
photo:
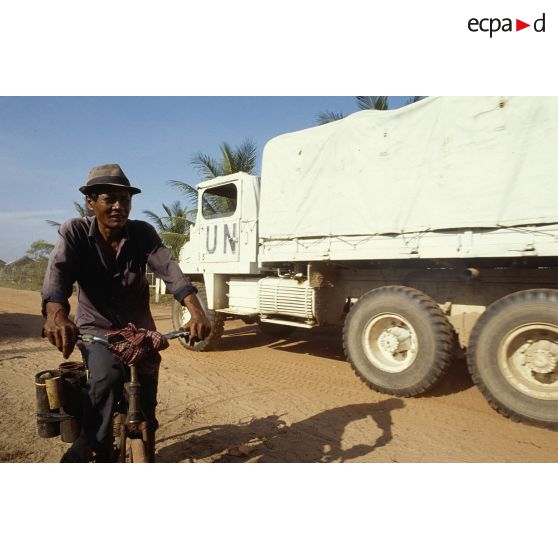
x: 286, y: 297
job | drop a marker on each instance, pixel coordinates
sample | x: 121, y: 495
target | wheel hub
x: 394, y: 340
x: 528, y: 356
x: 390, y: 342
x: 541, y: 357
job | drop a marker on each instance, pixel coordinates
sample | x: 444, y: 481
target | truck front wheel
x: 513, y: 356
x: 398, y: 341
x: 181, y: 316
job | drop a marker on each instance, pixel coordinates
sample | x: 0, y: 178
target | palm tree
x: 233, y: 159
x: 83, y: 211
x: 363, y: 103
x: 174, y: 227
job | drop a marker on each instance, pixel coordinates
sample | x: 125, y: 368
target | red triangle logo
x: 519, y: 25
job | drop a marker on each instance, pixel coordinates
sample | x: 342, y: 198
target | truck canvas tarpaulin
x: 442, y: 163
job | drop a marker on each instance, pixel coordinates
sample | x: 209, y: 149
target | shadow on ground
x: 242, y: 338
x: 14, y: 326
x: 323, y: 342
x: 269, y: 439
x: 456, y: 380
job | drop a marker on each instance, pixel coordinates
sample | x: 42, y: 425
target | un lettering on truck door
x: 221, y: 241
x: 220, y: 224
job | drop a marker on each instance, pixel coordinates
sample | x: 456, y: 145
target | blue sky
x: 48, y: 145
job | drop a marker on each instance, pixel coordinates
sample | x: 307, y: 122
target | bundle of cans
x: 59, y: 401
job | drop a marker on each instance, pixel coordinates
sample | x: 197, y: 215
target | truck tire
x: 398, y: 340
x: 513, y: 356
x: 275, y: 330
x: 180, y: 316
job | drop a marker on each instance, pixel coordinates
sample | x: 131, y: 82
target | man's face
x: 111, y: 208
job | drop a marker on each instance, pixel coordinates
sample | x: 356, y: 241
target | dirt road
x: 266, y: 400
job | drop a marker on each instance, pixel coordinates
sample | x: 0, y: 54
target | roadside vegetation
x: 173, y: 226
x: 28, y: 271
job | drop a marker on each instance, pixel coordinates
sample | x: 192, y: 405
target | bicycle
x: 133, y: 438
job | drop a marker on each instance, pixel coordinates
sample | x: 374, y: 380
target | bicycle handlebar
x: 176, y: 334
x: 90, y: 338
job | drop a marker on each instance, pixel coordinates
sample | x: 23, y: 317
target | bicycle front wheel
x: 137, y: 451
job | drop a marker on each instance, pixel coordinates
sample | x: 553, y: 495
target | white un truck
x: 422, y: 230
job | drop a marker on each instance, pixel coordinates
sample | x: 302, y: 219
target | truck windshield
x: 219, y: 201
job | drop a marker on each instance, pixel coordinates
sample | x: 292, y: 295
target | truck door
x: 220, y: 223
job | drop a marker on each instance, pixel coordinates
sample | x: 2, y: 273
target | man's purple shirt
x: 110, y: 294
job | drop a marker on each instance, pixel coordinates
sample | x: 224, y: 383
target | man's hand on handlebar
x: 59, y: 329
x: 198, y: 326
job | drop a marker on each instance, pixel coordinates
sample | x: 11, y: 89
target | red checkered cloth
x: 131, y: 344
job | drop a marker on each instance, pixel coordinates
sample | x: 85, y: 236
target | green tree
x: 28, y: 273
x: 231, y: 160
x: 174, y: 227
x: 40, y: 250
x: 363, y: 103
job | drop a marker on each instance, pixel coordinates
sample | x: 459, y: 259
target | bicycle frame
x: 132, y: 424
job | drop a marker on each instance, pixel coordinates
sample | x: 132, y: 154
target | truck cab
x: 224, y: 240
x: 225, y: 236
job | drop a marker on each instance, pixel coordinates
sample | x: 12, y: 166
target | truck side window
x: 219, y: 202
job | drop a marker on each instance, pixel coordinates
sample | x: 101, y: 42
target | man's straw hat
x: 108, y: 175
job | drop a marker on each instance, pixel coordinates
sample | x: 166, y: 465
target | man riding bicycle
x: 106, y: 255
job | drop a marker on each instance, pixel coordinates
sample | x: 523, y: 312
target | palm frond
x: 52, y: 223
x: 206, y: 166
x: 411, y: 100
x: 167, y: 210
x: 238, y: 159
x: 79, y: 209
x: 227, y: 158
x: 372, y: 103
x: 232, y: 160
x: 177, y: 224
x: 155, y: 219
x: 174, y: 242
x: 83, y: 210
x: 245, y: 157
x: 176, y: 208
x: 327, y: 116
x: 175, y: 221
x: 174, y: 237
x: 190, y: 192
x: 207, y: 207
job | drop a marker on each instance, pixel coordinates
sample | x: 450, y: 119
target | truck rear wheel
x: 398, y: 340
x: 513, y: 356
x: 181, y: 316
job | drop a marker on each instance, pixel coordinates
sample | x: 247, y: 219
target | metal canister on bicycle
x: 48, y: 425
x: 73, y: 380
x: 59, y: 402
